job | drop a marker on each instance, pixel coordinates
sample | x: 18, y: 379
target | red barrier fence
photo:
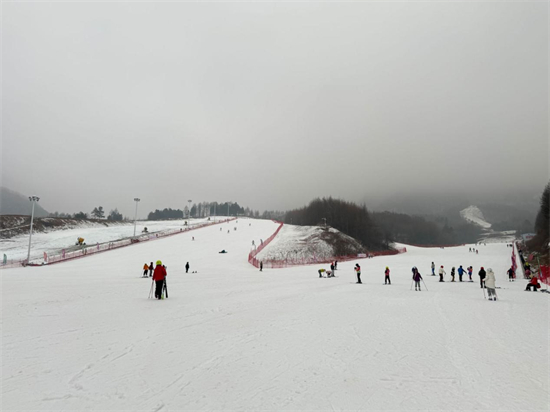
x: 278, y: 264
x: 88, y: 250
x: 545, y: 274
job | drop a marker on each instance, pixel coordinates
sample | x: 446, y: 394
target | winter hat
x: 489, y: 270
x: 441, y: 265
x: 159, y: 263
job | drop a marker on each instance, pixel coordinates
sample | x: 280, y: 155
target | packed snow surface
x: 54, y: 241
x: 474, y: 215
x: 299, y: 243
x: 82, y: 335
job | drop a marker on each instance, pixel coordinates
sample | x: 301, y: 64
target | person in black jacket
x: 187, y: 267
x: 482, y: 274
x: 151, y: 267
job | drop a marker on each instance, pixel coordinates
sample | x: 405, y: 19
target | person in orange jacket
x: 145, y: 270
x: 158, y: 277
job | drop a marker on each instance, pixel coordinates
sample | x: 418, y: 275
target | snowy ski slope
x: 82, y: 335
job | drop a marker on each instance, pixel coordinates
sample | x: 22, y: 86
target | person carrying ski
x: 358, y: 271
x: 511, y: 274
x: 534, y: 283
x: 482, y: 275
x: 470, y: 271
x: 387, y: 276
x: 453, y: 274
x: 158, y: 277
x: 490, y: 284
x: 433, y: 269
x: 417, y: 278
x: 145, y: 270
x: 187, y: 267
x: 441, y: 273
x: 460, y: 273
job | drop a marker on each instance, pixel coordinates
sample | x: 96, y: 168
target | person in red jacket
x: 534, y: 283
x: 158, y: 277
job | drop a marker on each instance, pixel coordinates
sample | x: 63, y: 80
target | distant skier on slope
x: 482, y: 275
x: 187, y: 267
x: 433, y: 269
x: 358, y: 271
x: 145, y: 270
x: 158, y: 277
x: 441, y: 273
x: 453, y: 274
x: 470, y: 271
x: 417, y: 277
x: 387, y: 276
x: 511, y: 274
x: 460, y: 273
x: 490, y: 284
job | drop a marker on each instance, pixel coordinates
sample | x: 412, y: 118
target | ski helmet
x: 159, y: 263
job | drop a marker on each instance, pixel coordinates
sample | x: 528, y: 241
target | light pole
x: 135, y: 217
x: 228, y: 208
x: 189, y: 211
x: 33, y: 199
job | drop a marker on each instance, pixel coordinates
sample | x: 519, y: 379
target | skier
x: 187, y: 267
x: 261, y: 266
x: 358, y: 271
x: 332, y: 266
x: 511, y: 274
x: 145, y: 270
x: 441, y: 273
x: 417, y: 278
x: 151, y: 267
x: 387, y: 277
x: 460, y: 273
x: 335, y: 265
x: 481, y: 274
x: 433, y: 269
x: 470, y: 270
x: 490, y: 284
x: 453, y: 274
x: 534, y: 283
x: 158, y: 277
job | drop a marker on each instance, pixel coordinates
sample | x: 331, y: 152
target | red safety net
x: 278, y: 264
x: 545, y: 274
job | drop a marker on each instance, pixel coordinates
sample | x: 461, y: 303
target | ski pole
x: 483, y: 287
x: 412, y: 284
x: 165, y: 288
x: 151, y: 291
x: 425, y: 285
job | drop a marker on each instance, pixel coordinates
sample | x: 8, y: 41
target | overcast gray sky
x: 271, y: 104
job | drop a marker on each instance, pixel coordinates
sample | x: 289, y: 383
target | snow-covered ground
x: 299, y: 243
x: 55, y: 240
x: 82, y: 335
x: 474, y: 215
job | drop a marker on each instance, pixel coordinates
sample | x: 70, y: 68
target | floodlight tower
x: 33, y: 199
x: 135, y: 217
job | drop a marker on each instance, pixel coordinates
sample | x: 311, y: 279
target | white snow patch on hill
x: 473, y: 215
x: 300, y: 243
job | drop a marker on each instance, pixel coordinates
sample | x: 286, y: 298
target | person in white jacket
x: 441, y: 273
x: 490, y: 284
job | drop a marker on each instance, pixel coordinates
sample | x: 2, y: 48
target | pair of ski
x: 163, y: 292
